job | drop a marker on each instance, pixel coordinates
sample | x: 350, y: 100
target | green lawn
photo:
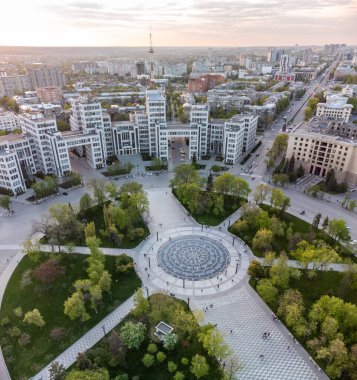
x: 25, y: 361
x: 133, y: 365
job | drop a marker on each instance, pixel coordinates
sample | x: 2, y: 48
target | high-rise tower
x: 151, y: 55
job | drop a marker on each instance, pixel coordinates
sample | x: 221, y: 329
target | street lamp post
x: 234, y: 238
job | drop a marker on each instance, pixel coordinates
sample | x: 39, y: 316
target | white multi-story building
x: 94, y: 136
x: 336, y: 107
x: 8, y: 121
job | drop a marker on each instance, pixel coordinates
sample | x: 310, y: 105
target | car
x: 253, y: 178
x: 348, y: 227
x: 182, y: 155
x: 302, y: 212
x: 246, y: 171
x: 257, y: 154
x: 65, y: 193
x: 172, y: 147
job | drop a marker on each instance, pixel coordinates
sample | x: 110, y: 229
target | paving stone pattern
x: 193, y: 257
x: 243, y: 322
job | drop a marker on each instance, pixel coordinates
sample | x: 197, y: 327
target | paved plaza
x: 207, y: 267
x: 193, y: 258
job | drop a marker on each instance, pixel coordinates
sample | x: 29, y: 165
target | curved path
x: 227, y: 298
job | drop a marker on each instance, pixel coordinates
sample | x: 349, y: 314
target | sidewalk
x: 89, y: 339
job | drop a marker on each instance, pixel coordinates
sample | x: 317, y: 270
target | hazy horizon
x: 189, y: 23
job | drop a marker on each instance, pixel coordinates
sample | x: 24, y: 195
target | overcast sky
x: 177, y: 23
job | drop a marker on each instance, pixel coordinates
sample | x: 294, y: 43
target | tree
x: 124, y: 263
x: 316, y: 220
x: 199, y: 366
x: 141, y: 304
x: 57, y: 371
x: 263, y: 240
x: 279, y: 200
x: 160, y: 357
x: 336, y: 357
x: 280, y: 178
x: 74, y: 307
x: 57, y: 334
x: 34, y: 317
x: 179, y: 376
x: 300, y: 171
x: 277, y: 150
x: 267, y: 291
x: 185, y: 174
x: 325, y: 223
x: 212, y: 340
x: 133, y: 334
x: 256, y: 271
x: 227, y: 183
x: 170, y: 341
x: 5, y: 202
x: 261, y: 193
x: 231, y: 365
x: 280, y: 272
x: 98, y: 188
x: 209, y: 185
x: 83, y: 362
x: 148, y: 360
x: 330, y: 180
x: 66, y: 226
x: 33, y: 250
x: 49, y: 271
x: 337, y: 228
x: 89, y: 230
x: 85, y: 203
x: 171, y: 366
x: 319, y: 254
x: 291, y: 308
x: 88, y: 374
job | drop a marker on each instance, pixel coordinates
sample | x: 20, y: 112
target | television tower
x: 151, y: 55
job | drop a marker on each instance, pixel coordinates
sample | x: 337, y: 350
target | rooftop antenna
x: 151, y: 55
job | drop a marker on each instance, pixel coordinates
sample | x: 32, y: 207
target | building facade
x: 336, y: 107
x: 324, y: 144
x: 95, y: 137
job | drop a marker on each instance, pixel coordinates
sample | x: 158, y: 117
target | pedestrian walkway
x: 243, y: 320
x: 90, y: 338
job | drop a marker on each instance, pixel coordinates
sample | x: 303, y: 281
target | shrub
x: 179, y: 376
x: 152, y: 348
x: 18, y: 312
x: 171, y: 366
x: 14, y: 332
x: 170, y: 341
x: 124, y: 263
x: 123, y: 376
x: 184, y: 361
x: 160, y: 356
x: 5, y: 322
x: 148, y: 360
x: 24, y: 339
x: 26, y: 279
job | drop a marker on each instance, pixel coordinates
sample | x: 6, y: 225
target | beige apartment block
x: 323, y: 144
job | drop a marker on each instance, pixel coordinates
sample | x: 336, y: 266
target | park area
x: 210, y: 201
x: 135, y: 349
x: 51, y: 300
x: 116, y: 215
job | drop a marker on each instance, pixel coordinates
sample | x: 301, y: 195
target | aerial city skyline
x: 184, y: 23
x: 178, y: 190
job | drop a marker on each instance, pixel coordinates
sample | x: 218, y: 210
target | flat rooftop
x: 154, y: 96
x: 12, y: 137
x: 336, y: 101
